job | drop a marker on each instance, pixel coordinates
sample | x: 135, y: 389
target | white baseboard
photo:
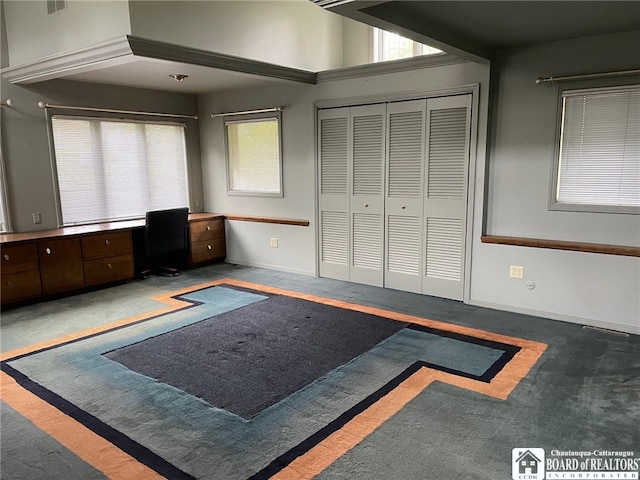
x: 270, y: 267
x: 619, y: 327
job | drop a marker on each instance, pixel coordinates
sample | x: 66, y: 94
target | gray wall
x: 249, y: 243
x: 33, y: 34
x: 25, y: 140
x: 579, y: 287
x: 294, y: 33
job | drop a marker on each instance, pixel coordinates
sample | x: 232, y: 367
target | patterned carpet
x: 128, y: 425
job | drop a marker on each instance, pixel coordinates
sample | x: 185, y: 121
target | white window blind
x: 113, y: 169
x: 599, y: 161
x: 253, y: 156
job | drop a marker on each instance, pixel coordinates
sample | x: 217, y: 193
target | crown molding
x: 59, y: 65
x: 145, y: 47
x: 125, y: 49
x: 371, y: 69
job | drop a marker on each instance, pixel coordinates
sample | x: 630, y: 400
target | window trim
x: 105, y: 116
x: 4, y: 201
x: 246, y: 118
x: 554, y: 204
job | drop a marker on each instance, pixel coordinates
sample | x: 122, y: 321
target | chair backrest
x: 167, y: 230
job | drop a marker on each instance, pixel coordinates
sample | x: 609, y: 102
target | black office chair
x: 166, y: 241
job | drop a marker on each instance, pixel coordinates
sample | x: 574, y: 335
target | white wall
x: 32, y: 34
x: 357, y: 47
x: 248, y: 243
x: 293, y: 33
x: 586, y: 288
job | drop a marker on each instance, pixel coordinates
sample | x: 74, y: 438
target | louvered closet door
x: 445, y: 199
x: 367, y: 194
x: 334, y: 144
x: 404, y: 195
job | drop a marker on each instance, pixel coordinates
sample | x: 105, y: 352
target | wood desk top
x: 89, y: 229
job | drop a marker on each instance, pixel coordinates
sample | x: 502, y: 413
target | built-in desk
x: 71, y: 259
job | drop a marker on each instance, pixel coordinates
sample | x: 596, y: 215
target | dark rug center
x: 251, y: 358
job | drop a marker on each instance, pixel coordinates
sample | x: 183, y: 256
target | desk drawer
x: 202, y: 252
x: 106, y: 245
x: 107, y: 270
x: 206, y: 230
x: 20, y: 286
x: 19, y: 258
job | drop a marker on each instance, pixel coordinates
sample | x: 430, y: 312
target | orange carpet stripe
x: 340, y: 442
x: 172, y: 304
x: 93, y: 449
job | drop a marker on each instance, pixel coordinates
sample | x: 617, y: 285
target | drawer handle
x: 403, y: 207
x: 209, y: 247
x: 208, y: 227
x: 6, y: 257
x: 109, y: 265
x: 9, y: 283
x: 107, y: 242
x: 366, y: 204
x: 48, y: 250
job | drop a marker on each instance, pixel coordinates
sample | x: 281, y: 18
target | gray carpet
x: 248, y: 359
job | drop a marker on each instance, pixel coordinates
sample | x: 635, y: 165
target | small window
x: 391, y: 46
x: 598, y: 165
x: 112, y: 169
x: 254, y: 159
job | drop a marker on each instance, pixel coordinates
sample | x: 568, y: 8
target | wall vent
x: 55, y: 6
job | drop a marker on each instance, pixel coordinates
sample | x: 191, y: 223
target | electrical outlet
x: 516, y: 271
x: 36, y: 217
x: 274, y: 242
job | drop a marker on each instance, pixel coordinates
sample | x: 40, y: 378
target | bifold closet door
x: 334, y: 145
x: 404, y: 195
x: 445, y: 199
x: 351, y: 164
x: 393, y: 194
x: 367, y: 194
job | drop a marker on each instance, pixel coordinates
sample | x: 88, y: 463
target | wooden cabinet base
x: 49, y: 264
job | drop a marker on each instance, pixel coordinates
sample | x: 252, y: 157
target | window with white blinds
x: 599, y: 160
x: 254, y: 160
x: 110, y: 169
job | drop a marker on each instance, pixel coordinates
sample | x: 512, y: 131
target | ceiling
x: 151, y: 73
x: 140, y: 62
x: 472, y: 30
x: 477, y: 29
